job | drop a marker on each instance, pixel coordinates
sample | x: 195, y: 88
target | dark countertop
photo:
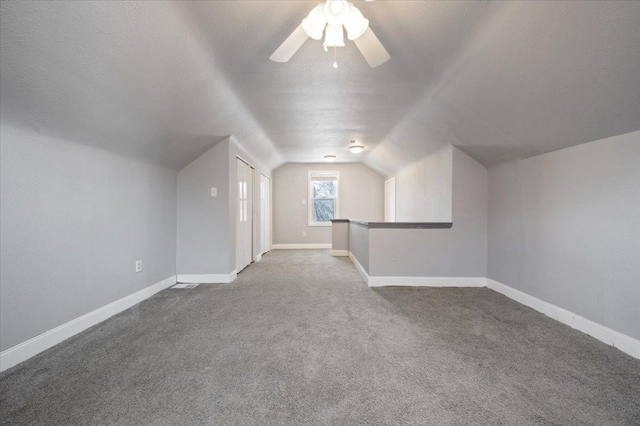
x: 398, y: 225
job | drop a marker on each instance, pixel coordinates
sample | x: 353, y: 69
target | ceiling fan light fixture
x: 333, y: 15
x: 355, y: 24
x: 330, y: 157
x: 356, y: 149
x: 334, y: 36
x: 314, y: 23
x: 335, y: 11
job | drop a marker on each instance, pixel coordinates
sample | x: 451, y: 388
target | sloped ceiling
x: 129, y: 77
x: 164, y: 81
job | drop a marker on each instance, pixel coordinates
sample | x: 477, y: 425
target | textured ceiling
x: 163, y: 81
x: 129, y: 77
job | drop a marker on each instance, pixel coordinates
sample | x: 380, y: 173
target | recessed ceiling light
x: 356, y: 149
x: 330, y: 157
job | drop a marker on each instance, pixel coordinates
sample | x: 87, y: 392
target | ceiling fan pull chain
x: 335, y: 57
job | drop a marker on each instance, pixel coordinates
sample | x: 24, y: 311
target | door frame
x: 265, y: 225
x: 386, y: 195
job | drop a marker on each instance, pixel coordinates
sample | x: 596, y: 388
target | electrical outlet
x: 304, y: 234
x: 214, y: 192
x: 393, y: 256
x: 138, y: 265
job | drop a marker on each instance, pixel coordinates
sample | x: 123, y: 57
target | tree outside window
x: 323, y: 198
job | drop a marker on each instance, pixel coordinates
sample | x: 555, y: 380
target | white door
x: 265, y: 214
x: 244, y: 216
x: 390, y: 200
x: 251, y: 214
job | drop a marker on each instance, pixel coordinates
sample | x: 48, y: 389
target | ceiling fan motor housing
x: 336, y: 11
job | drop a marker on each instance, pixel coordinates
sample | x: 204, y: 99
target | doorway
x: 390, y: 200
x: 265, y: 214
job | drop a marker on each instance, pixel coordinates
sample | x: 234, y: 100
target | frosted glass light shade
x: 356, y: 149
x: 330, y: 157
x: 314, y: 23
x: 355, y: 24
x: 334, y: 36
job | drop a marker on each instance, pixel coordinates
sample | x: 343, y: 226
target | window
x: 323, y: 198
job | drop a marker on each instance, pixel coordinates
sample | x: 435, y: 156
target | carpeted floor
x: 299, y: 339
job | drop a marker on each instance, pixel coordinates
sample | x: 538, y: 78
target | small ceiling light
x: 356, y: 149
x: 330, y: 157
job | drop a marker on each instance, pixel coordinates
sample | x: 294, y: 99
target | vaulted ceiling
x: 164, y: 81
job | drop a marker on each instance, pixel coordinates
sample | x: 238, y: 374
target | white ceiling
x: 163, y: 81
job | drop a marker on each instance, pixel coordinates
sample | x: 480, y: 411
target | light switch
x: 304, y: 201
x: 214, y: 192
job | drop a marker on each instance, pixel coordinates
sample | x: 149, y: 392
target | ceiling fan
x: 329, y: 18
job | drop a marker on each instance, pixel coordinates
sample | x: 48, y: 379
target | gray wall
x: 564, y: 227
x: 359, y: 244
x: 203, y: 238
x: 424, y: 188
x: 460, y: 251
x: 74, y: 219
x: 470, y: 215
x: 340, y: 236
x: 361, y: 197
x: 207, y: 225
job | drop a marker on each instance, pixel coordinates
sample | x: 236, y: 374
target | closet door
x: 244, y: 216
x: 242, y: 232
x: 249, y: 179
x: 239, y: 218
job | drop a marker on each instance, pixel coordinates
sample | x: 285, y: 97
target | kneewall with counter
x: 557, y: 232
x: 441, y: 252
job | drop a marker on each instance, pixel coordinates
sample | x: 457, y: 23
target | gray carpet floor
x: 299, y: 339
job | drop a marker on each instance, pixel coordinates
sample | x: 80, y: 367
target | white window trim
x: 326, y: 173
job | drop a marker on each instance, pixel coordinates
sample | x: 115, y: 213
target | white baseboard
x: 208, y: 278
x: 259, y: 257
x: 25, y: 350
x: 339, y: 252
x: 373, y: 281
x: 359, y: 267
x: 625, y: 343
x: 300, y: 246
x: 427, y: 281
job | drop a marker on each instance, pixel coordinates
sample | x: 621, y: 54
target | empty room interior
x: 302, y: 212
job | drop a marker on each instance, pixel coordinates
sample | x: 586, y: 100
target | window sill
x: 320, y: 223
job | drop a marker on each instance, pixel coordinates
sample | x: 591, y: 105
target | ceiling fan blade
x: 371, y: 48
x: 290, y: 46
